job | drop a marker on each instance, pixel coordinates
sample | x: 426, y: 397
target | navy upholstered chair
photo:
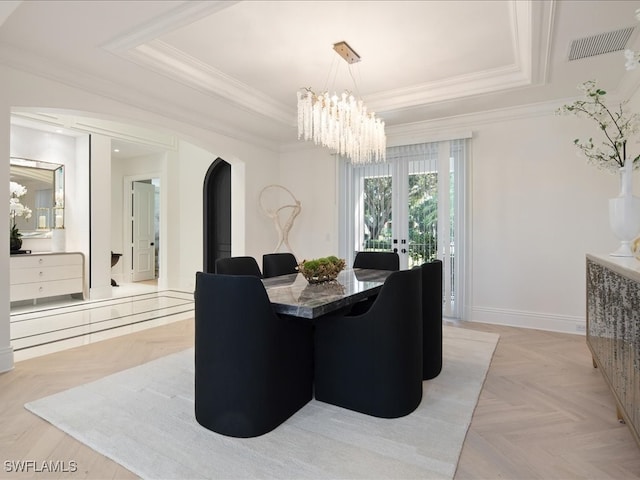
x: 432, y: 319
x: 253, y: 368
x: 276, y: 264
x: 238, y: 266
x: 377, y: 260
x: 372, y: 363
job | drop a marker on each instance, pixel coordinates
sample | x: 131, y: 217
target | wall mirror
x: 44, y: 182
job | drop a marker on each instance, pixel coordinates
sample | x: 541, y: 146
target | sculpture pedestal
x: 114, y: 259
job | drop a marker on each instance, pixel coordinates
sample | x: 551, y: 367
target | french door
x: 412, y: 204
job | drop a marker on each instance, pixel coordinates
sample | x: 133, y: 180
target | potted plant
x: 320, y: 270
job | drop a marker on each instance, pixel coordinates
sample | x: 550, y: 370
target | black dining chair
x: 276, y: 264
x: 238, y: 266
x: 372, y: 363
x: 377, y: 260
x: 432, y: 319
x: 253, y: 368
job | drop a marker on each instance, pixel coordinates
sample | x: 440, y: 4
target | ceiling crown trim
x: 530, y: 30
x: 175, y: 18
x: 451, y: 88
x: 179, y: 66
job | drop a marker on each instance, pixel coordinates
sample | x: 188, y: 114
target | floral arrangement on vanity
x: 16, y: 209
x: 617, y: 126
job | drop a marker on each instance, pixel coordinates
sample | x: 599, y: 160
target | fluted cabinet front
x: 613, y: 330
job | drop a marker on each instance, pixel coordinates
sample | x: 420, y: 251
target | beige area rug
x: 143, y: 419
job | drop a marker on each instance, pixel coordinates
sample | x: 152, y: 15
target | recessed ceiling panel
x: 277, y: 47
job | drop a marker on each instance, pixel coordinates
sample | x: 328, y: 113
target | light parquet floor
x: 544, y: 413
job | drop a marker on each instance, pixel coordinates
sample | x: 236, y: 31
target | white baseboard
x: 535, y: 320
x: 6, y: 359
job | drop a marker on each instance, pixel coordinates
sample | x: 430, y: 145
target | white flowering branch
x: 617, y: 126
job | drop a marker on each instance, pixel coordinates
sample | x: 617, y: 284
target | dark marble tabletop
x: 293, y: 295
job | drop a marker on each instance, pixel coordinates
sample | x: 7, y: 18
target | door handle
x: 151, y: 244
x: 404, y: 250
x: 395, y: 250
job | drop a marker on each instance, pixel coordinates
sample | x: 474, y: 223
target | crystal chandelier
x: 633, y: 58
x: 341, y: 123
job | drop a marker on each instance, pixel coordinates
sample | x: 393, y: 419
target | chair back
x: 432, y: 319
x: 276, y: 264
x: 377, y: 260
x: 238, y: 266
x: 372, y: 363
x: 253, y: 368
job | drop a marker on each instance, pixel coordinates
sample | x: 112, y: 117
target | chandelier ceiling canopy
x: 341, y: 123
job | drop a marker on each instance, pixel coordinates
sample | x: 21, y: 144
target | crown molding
x: 184, y: 14
x: 452, y: 88
x: 459, y: 126
x: 141, y: 47
x: 531, y: 27
x: 407, y: 133
x: 89, y: 125
x: 24, y: 61
x: 532, y: 24
x: 193, y: 73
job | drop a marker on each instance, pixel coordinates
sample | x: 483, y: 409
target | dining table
x: 293, y: 295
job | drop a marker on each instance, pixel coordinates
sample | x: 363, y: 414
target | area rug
x: 143, y: 418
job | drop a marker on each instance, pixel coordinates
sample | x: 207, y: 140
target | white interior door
x: 143, y: 231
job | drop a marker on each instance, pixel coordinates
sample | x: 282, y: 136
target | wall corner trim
x: 6, y: 359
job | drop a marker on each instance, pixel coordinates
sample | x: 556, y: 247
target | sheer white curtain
x: 414, y: 203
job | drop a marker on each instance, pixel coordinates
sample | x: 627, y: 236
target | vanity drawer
x: 44, y: 274
x: 27, y: 291
x: 51, y: 260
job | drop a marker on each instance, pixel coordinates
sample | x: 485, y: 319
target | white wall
x: 310, y: 173
x: 182, y: 215
x: 76, y: 208
x: 100, y: 253
x: 252, y: 168
x: 6, y: 351
x: 536, y: 209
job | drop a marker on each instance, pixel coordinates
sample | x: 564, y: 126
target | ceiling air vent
x: 598, y: 44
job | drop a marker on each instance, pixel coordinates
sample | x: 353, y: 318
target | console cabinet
x: 34, y: 276
x: 613, y: 330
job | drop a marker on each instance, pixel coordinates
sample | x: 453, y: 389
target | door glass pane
x: 377, y: 213
x: 373, y: 189
x: 423, y: 217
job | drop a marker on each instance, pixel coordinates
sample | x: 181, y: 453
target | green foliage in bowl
x: 322, y: 269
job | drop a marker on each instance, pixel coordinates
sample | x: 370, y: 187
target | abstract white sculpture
x: 274, y: 214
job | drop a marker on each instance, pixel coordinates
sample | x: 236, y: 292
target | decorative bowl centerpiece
x: 321, y: 270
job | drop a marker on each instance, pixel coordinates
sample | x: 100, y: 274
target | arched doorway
x: 216, y: 214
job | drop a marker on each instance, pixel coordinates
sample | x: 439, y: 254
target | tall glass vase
x: 624, y: 213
